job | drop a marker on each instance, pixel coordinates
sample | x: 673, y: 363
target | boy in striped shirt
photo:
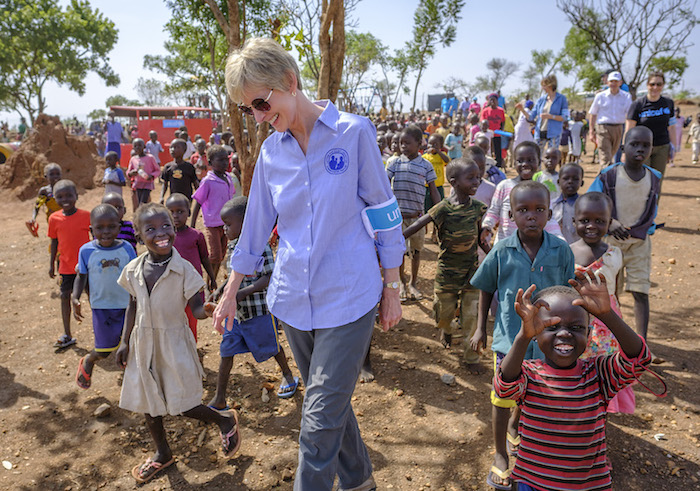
x: 564, y: 399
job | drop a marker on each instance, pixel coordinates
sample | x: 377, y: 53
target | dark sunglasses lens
x: 261, y: 105
x: 245, y: 109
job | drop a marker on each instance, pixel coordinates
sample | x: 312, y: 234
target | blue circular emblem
x: 336, y: 161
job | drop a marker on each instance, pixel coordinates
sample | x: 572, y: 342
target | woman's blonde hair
x: 550, y: 81
x: 261, y: 62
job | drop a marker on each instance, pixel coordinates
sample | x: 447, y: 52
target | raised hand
x: 528, y: 312
x: 594, y: 292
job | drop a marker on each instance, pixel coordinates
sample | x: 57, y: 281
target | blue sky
x: 506, y: 28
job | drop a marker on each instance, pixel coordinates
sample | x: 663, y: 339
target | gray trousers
x: 330, y: 444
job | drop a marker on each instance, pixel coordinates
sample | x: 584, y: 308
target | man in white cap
x: 607, y: 118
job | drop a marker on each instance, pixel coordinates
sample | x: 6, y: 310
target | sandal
x: 64, y: 341
x: 148, y: 470
x: 86, y: 376
x: 414, y: 293
x: 512, y: 444
x: 502, y: 475
x: 226, y: 439
x: 287, y: 391
x: 402, y: 293
x: 446, y: 340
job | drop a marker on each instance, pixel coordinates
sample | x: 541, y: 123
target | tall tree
x: 631, y: 34
x: 151, y: 91
x: 501, y: 70
x: 434, y: 24
x: 331, y: 43
x: 362, y: 51
x: 42, y: 42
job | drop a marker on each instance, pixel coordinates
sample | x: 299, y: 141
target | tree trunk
x: 331, y: 40
x: 415, y: 90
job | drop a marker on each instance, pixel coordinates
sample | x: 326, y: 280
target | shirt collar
x: 329, y: 116
x: 570, y: 199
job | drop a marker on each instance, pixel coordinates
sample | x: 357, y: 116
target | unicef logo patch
x: 337, y: 161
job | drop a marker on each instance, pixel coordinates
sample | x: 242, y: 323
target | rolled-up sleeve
x: 374, y: 189
x: 259, y: 220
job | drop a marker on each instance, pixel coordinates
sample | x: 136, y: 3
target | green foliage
x: 672, y: 67
x: 151, y: 92
x: 501, y: 70
x: 434, y: 25
x: 454, y: 85
x: 97, y: 114
x: 120, y: 100
x: 40, y: 41
x: 362, y: 50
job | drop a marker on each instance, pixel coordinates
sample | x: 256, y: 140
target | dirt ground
x: 421, y: 433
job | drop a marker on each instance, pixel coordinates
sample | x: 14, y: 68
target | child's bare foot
x: 414, y: 293
x: 474, y: 368
x: 446, y: 339
x: 499, y: 474
x: 366, y: 373
x: 288, y: 388
x: 230, y: 435
x: 148, y: 470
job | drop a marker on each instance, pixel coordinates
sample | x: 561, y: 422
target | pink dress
x: 601, y: 341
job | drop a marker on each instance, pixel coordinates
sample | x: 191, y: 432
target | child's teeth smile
x: 564, y: 349
x: 162, y: 243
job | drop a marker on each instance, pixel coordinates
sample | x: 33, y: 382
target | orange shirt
x: 72, y: 232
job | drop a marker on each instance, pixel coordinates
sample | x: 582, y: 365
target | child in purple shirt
x: 214, y: 191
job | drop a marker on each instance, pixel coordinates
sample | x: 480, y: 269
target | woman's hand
x: 389, y: 308
x: 225, y: 309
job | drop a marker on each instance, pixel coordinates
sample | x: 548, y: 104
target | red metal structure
x: 164, y: 121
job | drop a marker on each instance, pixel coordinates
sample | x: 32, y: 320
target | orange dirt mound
x: 23, y: 173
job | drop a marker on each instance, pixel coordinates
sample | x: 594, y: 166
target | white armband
x: 382, y: 217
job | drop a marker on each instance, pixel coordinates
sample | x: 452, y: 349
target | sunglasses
x: 655, y: 84
x: 258, y: 104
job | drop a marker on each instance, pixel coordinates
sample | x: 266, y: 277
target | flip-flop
x: 225, y: 411
x: 414, y: 293
x: 284, y: 391
x: 148, y: 470
x: 512, y: 444
x: 33, y: 228
x: 64, y: 341
x: 502, y: 475
x: 226, y: 439
x: 81, y: 371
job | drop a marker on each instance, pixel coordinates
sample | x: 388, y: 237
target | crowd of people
x: 338, y: 204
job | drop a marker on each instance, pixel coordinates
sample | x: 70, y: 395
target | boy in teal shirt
x: 530, y: 256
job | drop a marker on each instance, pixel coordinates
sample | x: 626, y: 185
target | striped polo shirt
x: 562, y: 425
x: 408, y: 179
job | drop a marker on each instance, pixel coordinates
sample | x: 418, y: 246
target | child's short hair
x: 235, y: 206
x: 149, y: 209
x: 216, y: 150
x: 414, y: 132
x: 474, y: 119
x: 64, y: 183
x: 571, y: 165
x: 529, y: 185
x: 111, y: 154
x: 594, y: 197
x: 50, y: 166
x: 474, y: 152
x: 112, y: 196
x: 180, y: 142
x: 566, y: 291
x: 458, y: 166
x: 530, y: 144
x: 104, y: 210
x: 439, y: 138
x: 637, y: 129
x: 177, y: 198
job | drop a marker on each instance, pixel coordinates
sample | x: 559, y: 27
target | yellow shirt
x: 439, y: 166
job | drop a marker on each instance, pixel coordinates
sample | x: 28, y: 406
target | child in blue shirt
x: 529, y: 256
x: 100, y: 262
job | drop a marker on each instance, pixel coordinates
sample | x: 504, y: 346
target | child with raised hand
x: 408, y: 175
x: 527, y: 161
x: 143, y: 169
x: 549, y: 175
x: 570, y: 181
x: 458, y: 223
x: 179, y: 174
x: 100, y: 262
x: 592, y: 217
x: 634, y: 189
x: 254, y: 330
x: 191, y: 245
x: 126, y: 228
x: 213, y: 192
x: 68, y: 231
x: 158, y: 352
x: 52, y: 173
x: 493, y: 173
x: 564, y: 398
x: 530, y: 255
x: 113, y: 178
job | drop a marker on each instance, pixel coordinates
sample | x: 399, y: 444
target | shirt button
x: 532, y: 269
x: 308, y: 204
x: 306, y: 270
x: 306, y: 291
x: 309, y: 248
x: 308, y: 226
x: 306, y: 183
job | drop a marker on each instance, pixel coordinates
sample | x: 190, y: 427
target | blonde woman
x: 549, y: 114
x: 315, y: 176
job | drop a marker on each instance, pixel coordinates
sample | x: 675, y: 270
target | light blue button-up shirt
x: 326, y: 271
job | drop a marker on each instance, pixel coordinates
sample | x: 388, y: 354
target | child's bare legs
x: 219, y: 399
x: 413, y: 291
x: 89, y: 364
x: 215, y: 265
x: 366, y: 372
x: 281, y: 359
x: 66, y: 312
x: 504, y: 421
x: 641, y: 313
x: 202, y: 413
